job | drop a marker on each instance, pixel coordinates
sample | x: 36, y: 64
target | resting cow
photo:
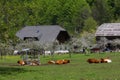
x: 102, y: 60
x: 92, y: 60
x: 51, y: 62
x: 59, y: 62
x: 106, y: 60
x: 33, y: 63
x: 21, y: 62
x: 64, y: 61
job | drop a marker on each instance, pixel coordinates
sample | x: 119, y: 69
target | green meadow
x: 77, y: 69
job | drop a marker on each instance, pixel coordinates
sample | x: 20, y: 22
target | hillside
x: 76, y: 16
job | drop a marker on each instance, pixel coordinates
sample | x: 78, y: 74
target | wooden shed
x: 109, y: 32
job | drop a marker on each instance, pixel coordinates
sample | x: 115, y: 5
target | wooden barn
x: 108, y: 33
x: 44, y: 33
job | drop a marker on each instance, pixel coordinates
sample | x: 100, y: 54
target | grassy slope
x: 78, y: 69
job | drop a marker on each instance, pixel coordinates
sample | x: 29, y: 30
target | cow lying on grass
x: 92, y: 60
x: 102, y: 60
x: 51, y: 62
x: 106, y: 60
x: 64, y: 61
x: 32, y: 63
x: 21, y: 62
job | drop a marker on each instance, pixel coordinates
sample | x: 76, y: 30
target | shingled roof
x: 43, y: 33
x: 108, y: 29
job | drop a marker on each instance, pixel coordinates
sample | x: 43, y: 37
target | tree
x: 102, y: 12
x: 90, y: 25
x: 117, y: 8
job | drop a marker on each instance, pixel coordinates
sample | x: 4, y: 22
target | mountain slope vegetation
x: 76, y: 16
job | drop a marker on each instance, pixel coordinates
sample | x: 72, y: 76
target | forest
x: 76, y: 16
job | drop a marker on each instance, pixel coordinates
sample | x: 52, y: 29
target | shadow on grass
x: 5, y: 71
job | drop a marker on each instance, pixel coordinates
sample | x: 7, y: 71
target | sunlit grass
x: 78, y: 69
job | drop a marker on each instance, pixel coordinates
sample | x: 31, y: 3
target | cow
x: 21, y: 62
x: 106, y: 60
x: 34, y: 63
x: 63, y: 61
x: 59, y: 62
x: 102, y: 60
x: 51, y: 62
x: 93, y: 60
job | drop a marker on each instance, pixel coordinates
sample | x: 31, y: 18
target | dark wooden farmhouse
x: 44, y: 33
x: 110, y: 33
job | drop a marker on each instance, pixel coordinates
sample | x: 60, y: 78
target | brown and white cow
x: 93, y: 60
x: 106, y: 60
x: 102, y: 60
x: 21, y: 62
x: 64, y: 61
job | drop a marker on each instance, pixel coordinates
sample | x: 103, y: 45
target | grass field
x: 78, y: 69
